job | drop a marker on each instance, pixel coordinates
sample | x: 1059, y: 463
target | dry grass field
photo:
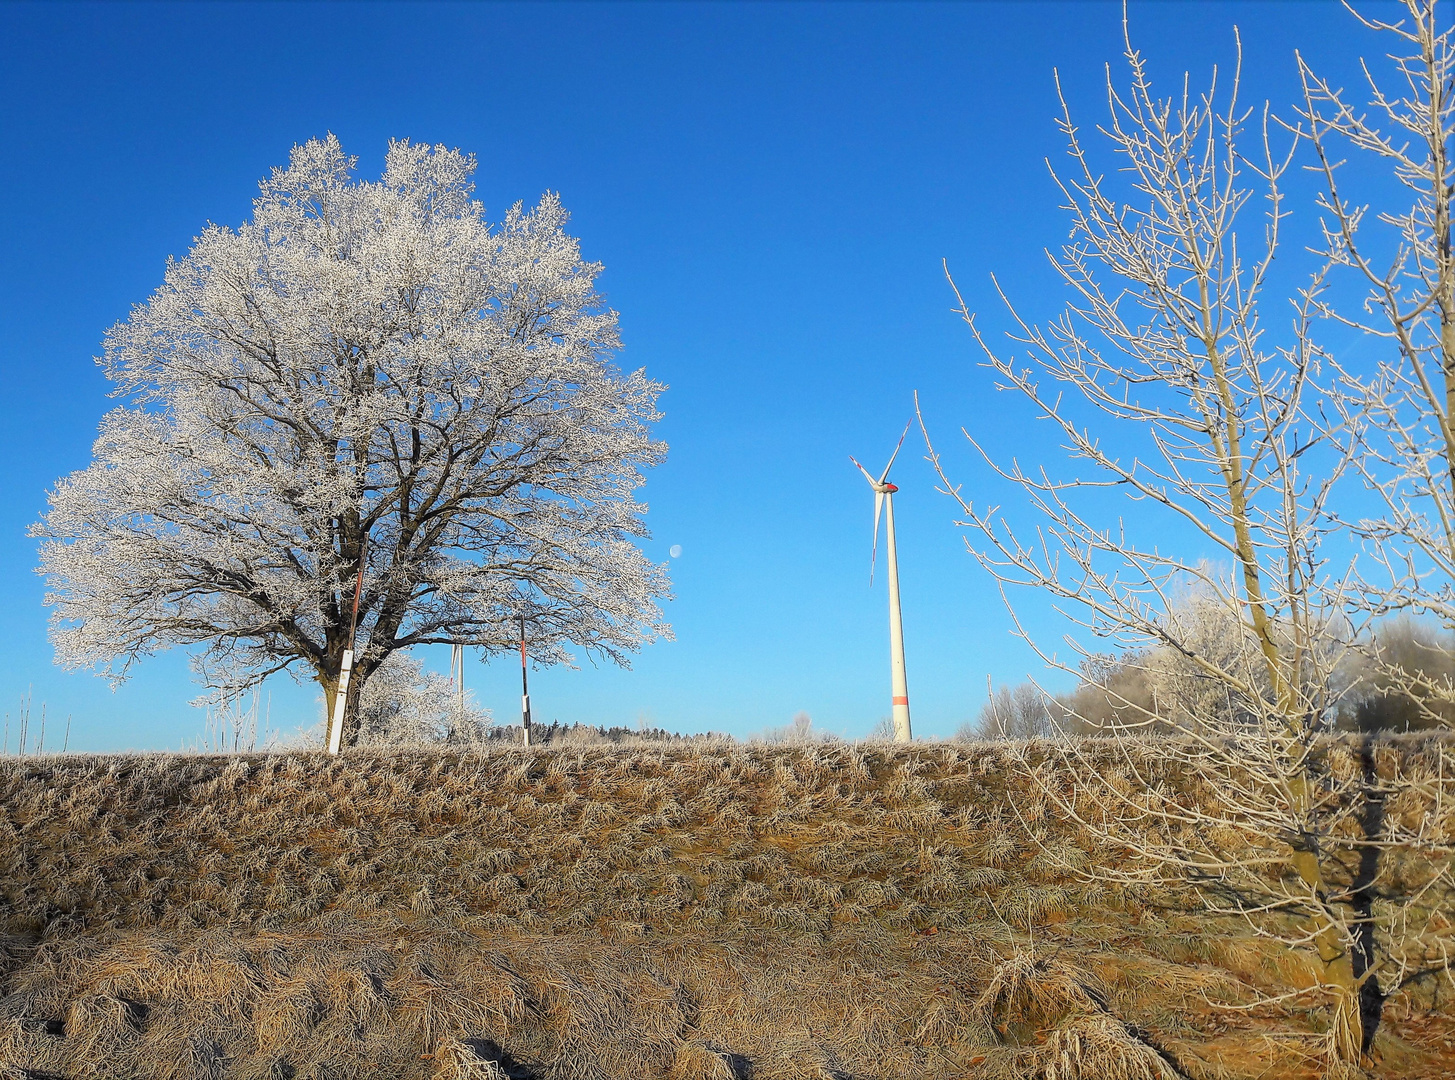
x: 688, y: 912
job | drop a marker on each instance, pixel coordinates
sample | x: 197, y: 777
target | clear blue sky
x: 771, y: 189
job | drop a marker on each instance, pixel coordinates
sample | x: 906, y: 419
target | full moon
x: 675, y: 550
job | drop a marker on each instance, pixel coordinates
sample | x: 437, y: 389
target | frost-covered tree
x: 405, y: 705
x: 363, y: 373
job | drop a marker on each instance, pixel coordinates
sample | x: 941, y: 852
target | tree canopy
x: 364, y: 375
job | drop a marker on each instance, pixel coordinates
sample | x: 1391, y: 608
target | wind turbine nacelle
x: 890, y: 488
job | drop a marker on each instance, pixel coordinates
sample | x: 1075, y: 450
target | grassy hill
x: 685, y: 911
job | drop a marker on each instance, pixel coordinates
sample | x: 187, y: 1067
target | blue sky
x: 771, y: 188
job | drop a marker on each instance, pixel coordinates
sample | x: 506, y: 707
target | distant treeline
x: 1401, y: 677
x: 558, y: 734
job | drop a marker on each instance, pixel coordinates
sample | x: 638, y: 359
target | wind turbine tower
x: 884, y: 500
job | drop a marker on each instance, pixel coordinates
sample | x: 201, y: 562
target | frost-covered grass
x: 683, y: 911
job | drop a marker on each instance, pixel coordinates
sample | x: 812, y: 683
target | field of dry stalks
x: 702, y: 912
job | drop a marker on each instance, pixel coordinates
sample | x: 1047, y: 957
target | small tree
x: 1165, y: 341
x: 404, y: 705
x: 363, y: 377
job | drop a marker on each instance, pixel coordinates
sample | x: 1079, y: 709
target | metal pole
x: 899, y: 683
x: 524, y: 689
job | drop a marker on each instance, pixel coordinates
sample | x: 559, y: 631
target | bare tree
x: 1023, y: 711
x: 1116, y: 693
x: 1401, y: 679
x: 800, y: 730
x: 365, y: 378
x: 1111, y: 693
x: 1168, y: 261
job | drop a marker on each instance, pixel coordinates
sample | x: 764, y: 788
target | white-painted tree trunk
x: 340, y: 701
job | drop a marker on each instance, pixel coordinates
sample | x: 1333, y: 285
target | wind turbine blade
x: 896, y: 453
x: 874, y: 551
x: 861, y: 468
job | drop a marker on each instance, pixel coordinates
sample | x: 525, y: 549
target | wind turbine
x: 884, y: 500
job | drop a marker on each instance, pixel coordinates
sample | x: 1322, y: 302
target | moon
x: 675, y: 550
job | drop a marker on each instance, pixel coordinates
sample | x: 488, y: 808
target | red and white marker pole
x: 524, y: 689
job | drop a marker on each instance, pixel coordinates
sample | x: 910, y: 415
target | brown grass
x: 690, y: 912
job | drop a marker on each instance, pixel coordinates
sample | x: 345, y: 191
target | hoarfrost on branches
x: 405, y: 705
x: 1164, y: 335
x: 364, y: 372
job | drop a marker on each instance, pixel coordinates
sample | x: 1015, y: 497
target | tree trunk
x: 328, y: 681
x: 1347, y: 1031
x: 330, y: 694
x: 1336, y: 960
x: 1336, y: 967
x: 353, y: 723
